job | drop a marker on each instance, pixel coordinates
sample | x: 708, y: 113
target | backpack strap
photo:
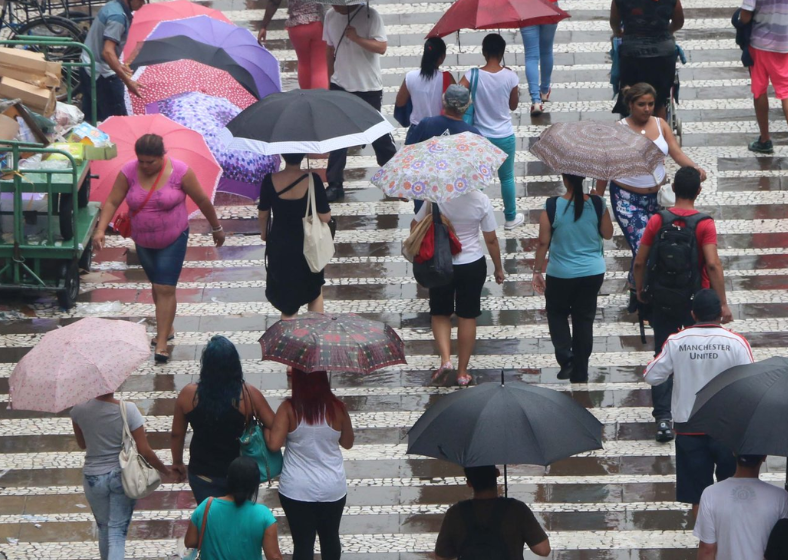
x: 550, y: 207
x: 693, y: 221
x: 599, y: 207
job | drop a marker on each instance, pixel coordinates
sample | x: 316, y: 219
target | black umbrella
x: 746, y: 408
x: 305, y: 122
x: 497, y: 423
x: 180, y: 47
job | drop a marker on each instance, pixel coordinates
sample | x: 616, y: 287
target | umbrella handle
x: 505, y: 482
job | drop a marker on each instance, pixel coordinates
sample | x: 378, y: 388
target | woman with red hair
x: 313, y: 487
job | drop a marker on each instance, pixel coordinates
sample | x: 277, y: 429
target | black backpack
x: 599, y: 207
x: 439, y: 270
x: 673, y: 274
x: 483, y: 542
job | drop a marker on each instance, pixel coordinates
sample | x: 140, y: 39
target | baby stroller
x: 672, y: 102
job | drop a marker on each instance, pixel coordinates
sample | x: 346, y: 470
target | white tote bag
x: 138, y: 477
x: 318, y: 243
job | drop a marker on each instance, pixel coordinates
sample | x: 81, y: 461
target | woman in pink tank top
x: 155, y: 188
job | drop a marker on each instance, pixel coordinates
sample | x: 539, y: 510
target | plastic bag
x: 67, y: 116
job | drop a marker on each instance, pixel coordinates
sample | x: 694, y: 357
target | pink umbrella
x: 147, y: 17
x: 163, y: 81
x: 180, y: 142
x: 74, y: 364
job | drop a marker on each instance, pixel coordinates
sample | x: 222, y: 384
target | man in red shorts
x: 769, y: 50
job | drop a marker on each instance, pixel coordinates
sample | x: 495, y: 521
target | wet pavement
x: 616, y: 503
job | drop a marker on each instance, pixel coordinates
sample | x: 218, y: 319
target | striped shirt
x: 770, y: 24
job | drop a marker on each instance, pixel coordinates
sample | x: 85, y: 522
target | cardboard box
x: 47, y: 80
x: 24, y: 60
x: 9, y: 128
x: 39, y: 99
x: 93, y: 153
x: 18, y: 110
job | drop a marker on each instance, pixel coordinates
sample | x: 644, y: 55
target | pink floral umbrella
x: 74, y: 364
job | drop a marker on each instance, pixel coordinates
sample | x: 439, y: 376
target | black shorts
x: 659, y: 71
x: 463, y: 296
x: 696, y: 458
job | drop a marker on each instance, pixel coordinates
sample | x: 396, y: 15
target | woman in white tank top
x: 313, y: 424
x: 634, y: 199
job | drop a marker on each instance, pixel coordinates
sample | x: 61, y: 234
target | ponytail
x: 575, y: 182
x: 434, y: 51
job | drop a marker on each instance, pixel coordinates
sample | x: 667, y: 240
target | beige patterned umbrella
x: 597, y: 150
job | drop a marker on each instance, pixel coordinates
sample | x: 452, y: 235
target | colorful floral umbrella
x: 322, y: 342
x: 165, y: 80
x: 76, y: 363
x: 440, y: 168
x: 243, y: 171
x: 237, y: 42
x: 147, y: 17
x: 180, y: 142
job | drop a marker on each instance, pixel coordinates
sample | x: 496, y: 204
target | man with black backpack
x: 677, y: 257
x: 489, y: 527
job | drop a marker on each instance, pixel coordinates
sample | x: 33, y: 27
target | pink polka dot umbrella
x: 341, y: 343
x: 76, y: 363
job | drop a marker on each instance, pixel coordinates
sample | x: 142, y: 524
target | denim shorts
x: 163, y: 266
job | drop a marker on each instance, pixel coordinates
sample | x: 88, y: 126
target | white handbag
x: 318, y: 243
x: 138, y: 477
x: 666, y: 197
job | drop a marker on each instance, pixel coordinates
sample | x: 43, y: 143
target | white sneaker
x: 511, y: 224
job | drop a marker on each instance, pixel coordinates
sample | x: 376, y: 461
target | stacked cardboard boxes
x: 26, y: 75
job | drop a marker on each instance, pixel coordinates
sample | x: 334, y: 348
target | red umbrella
x: 497, y: 14
x: 162, y: 81
x: 180, y: 142
x: 147, y: 17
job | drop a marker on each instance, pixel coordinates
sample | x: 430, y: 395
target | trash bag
x: 439, y: 270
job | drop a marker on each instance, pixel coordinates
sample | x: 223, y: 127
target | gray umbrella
x: 497, y: 423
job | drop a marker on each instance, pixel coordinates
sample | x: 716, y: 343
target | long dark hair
x: 434, y: 51
x: 575, y: 182
x: 221, y: 377
x: 312, y: 399
x: 243, y: 480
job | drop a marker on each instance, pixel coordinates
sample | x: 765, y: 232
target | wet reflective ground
x: 612, y: 504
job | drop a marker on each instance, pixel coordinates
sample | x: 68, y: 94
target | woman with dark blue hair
x: 217, y: 408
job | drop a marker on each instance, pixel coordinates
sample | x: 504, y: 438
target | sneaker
x: 664, y: 431
x: 566, y: 371
x: 519, y: 219
x: 335, y: 192
x: 761, y: 147
x: 537, y: 109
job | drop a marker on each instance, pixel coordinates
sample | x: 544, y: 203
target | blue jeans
x: 538, y: 44
x: 215, y: 486
x: 112, y: 510
x: 506, y: 174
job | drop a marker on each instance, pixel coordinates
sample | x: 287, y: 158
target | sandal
x: 465, y: 380
x: 546, y: 96
x: 161, y: 357
x: 439, y: 375
x: 537, y: 109
x: 155, y: 339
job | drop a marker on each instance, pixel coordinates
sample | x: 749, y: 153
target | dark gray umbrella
x: 305, y: 122
x: 497, y: 423
x: 746, y: 408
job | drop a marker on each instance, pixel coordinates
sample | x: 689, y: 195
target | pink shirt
x: 164, y: 217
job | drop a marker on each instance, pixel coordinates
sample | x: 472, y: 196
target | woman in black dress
x: 284, y: 197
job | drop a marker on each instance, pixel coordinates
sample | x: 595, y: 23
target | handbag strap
x: 127, y: 437
x: 312, y: 204
x: 204, y: 522
x: 251, y: 414
x: 151, y: 191
x: 474, y: 83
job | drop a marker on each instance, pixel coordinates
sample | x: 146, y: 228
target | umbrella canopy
x: 339, y: 2
x: 186, y: 48
x: 322, y: 342
x: 742, y: 406
x: 440, y: 168
x: 147, y: 17
x: 242, y: 171
x: 165, y: 80
x: 496, y: 14
x: 76, y: 363
x: 597, y: 150
x: 497, y: 424
x: 181, y: 143
x: 287, y: 122
x: 237, y: 42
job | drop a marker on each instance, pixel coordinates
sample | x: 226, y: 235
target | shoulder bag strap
x: 599, y: 207
x: 249, y: 415
x: 204, y: 522
x: 126, y: 430
x: 151, y: 191
x: 312, y: 204
x: 474, y: 83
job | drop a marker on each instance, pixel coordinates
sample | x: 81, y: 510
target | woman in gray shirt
x: 98, y: 427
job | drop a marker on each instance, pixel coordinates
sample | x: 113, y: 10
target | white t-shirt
x: 425, y: 95
x: 491, y: 102
x: 469, y: 214
x: 738, y: 514
x: 355, y: 68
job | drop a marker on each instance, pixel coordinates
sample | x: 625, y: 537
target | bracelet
x: 217, y: 229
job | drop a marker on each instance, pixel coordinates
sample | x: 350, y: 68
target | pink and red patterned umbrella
x: 338, y: 343
x: 79, y: 362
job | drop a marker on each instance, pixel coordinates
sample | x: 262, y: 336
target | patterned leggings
x: 632, y: 212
